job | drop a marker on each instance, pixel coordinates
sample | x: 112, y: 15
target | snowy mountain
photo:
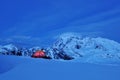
x: 8, y: 49
x: 87, y: 49
x: 73, y: 46
x: 91, y: 53
x: 11, y: 49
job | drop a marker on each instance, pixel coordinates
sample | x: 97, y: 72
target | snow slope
x: 39, y: 69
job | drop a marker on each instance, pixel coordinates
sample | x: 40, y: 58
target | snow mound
x: 88, y: 49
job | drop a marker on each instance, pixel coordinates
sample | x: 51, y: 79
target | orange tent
x: 39, y: 54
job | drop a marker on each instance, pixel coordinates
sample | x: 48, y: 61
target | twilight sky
x: 25, y: 21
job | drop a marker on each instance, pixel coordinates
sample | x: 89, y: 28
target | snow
x: 72, y: 46
x: 86, y: 49
x: 40, y: 69
x: 11, y: 49
x: 74, y: 57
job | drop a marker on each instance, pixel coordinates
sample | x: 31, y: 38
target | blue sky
x: 39, y: 20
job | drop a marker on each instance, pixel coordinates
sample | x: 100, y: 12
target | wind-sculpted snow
x: 73, y: 46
